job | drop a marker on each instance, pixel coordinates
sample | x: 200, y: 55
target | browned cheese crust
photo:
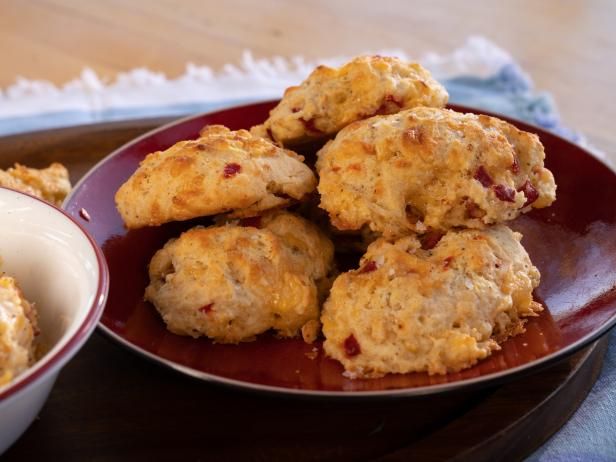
x: 18, y: 328
x: 222, y: 171
x: 431, y: 168
x: 440, y: 309
x: 235, y: 281
x: 332, y: 98
x: 51, y: 184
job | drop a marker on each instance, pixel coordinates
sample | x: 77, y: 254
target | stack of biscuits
x: 442, y: 281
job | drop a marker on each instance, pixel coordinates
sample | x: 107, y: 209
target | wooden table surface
x: 568, y: 46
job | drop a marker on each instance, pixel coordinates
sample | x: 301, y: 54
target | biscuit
x: 18, y: 328
x: 345, y: 242
x: 232, y: 282
x: 222, y: 171
x: 431, y: 168
x: 421, y: 305
x: 51, y: 184
x: 329, y: 99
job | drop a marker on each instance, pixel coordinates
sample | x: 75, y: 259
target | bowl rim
x: 50, y: 363
x: 483, y: 381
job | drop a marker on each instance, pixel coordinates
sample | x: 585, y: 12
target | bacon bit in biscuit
x: 207, y: 308
x: 83, y: 213
x: 530, y: 192
x: 430, y: 239
x: 351, y: 346
x: 504, y: 193
x: 515, y: 166
x: 473, y: 210
x: 447, y: 262
x: 295, y: 109
x: 200, y: 147
x: 356, y: 167
x: 368, y: 267
x: 386, y: 106
x: 231, y: 170
x: 335, y: 168
x: 483, y: 177
x: 254, y: 222
x: 309, y: 124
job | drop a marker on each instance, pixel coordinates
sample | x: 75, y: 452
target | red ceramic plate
x: 572, y: 243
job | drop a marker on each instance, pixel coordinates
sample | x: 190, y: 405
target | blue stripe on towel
x: 509, y: 92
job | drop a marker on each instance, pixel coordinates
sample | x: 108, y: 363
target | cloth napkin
x: 479, y: 74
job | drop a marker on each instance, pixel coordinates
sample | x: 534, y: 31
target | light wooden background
x: 568, y: 46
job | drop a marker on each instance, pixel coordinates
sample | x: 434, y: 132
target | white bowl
x: 60, y: 269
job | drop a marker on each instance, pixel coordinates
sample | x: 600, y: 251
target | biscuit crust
x: 51, y: 184
x: 235, y: 281
x: 330, y: 99
x: 440, y: 309
x: 431, y: 168
x: 222, y: 171
x: 18, y: 328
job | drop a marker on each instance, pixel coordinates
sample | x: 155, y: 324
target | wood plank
x: 569, y: 47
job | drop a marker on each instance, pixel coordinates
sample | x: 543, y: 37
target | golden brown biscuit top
x: 248, y: 275
x: 18, y: 327
x: 329, y: 99
x: 309, y: 246
x: 430, y: 303
x: 430, y: 256
x: 222, y: 171
x: 220, y: 138
x: 51, y: 184
x: 429, y: 167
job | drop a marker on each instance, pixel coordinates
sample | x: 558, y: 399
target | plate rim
x: 482, y: 381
